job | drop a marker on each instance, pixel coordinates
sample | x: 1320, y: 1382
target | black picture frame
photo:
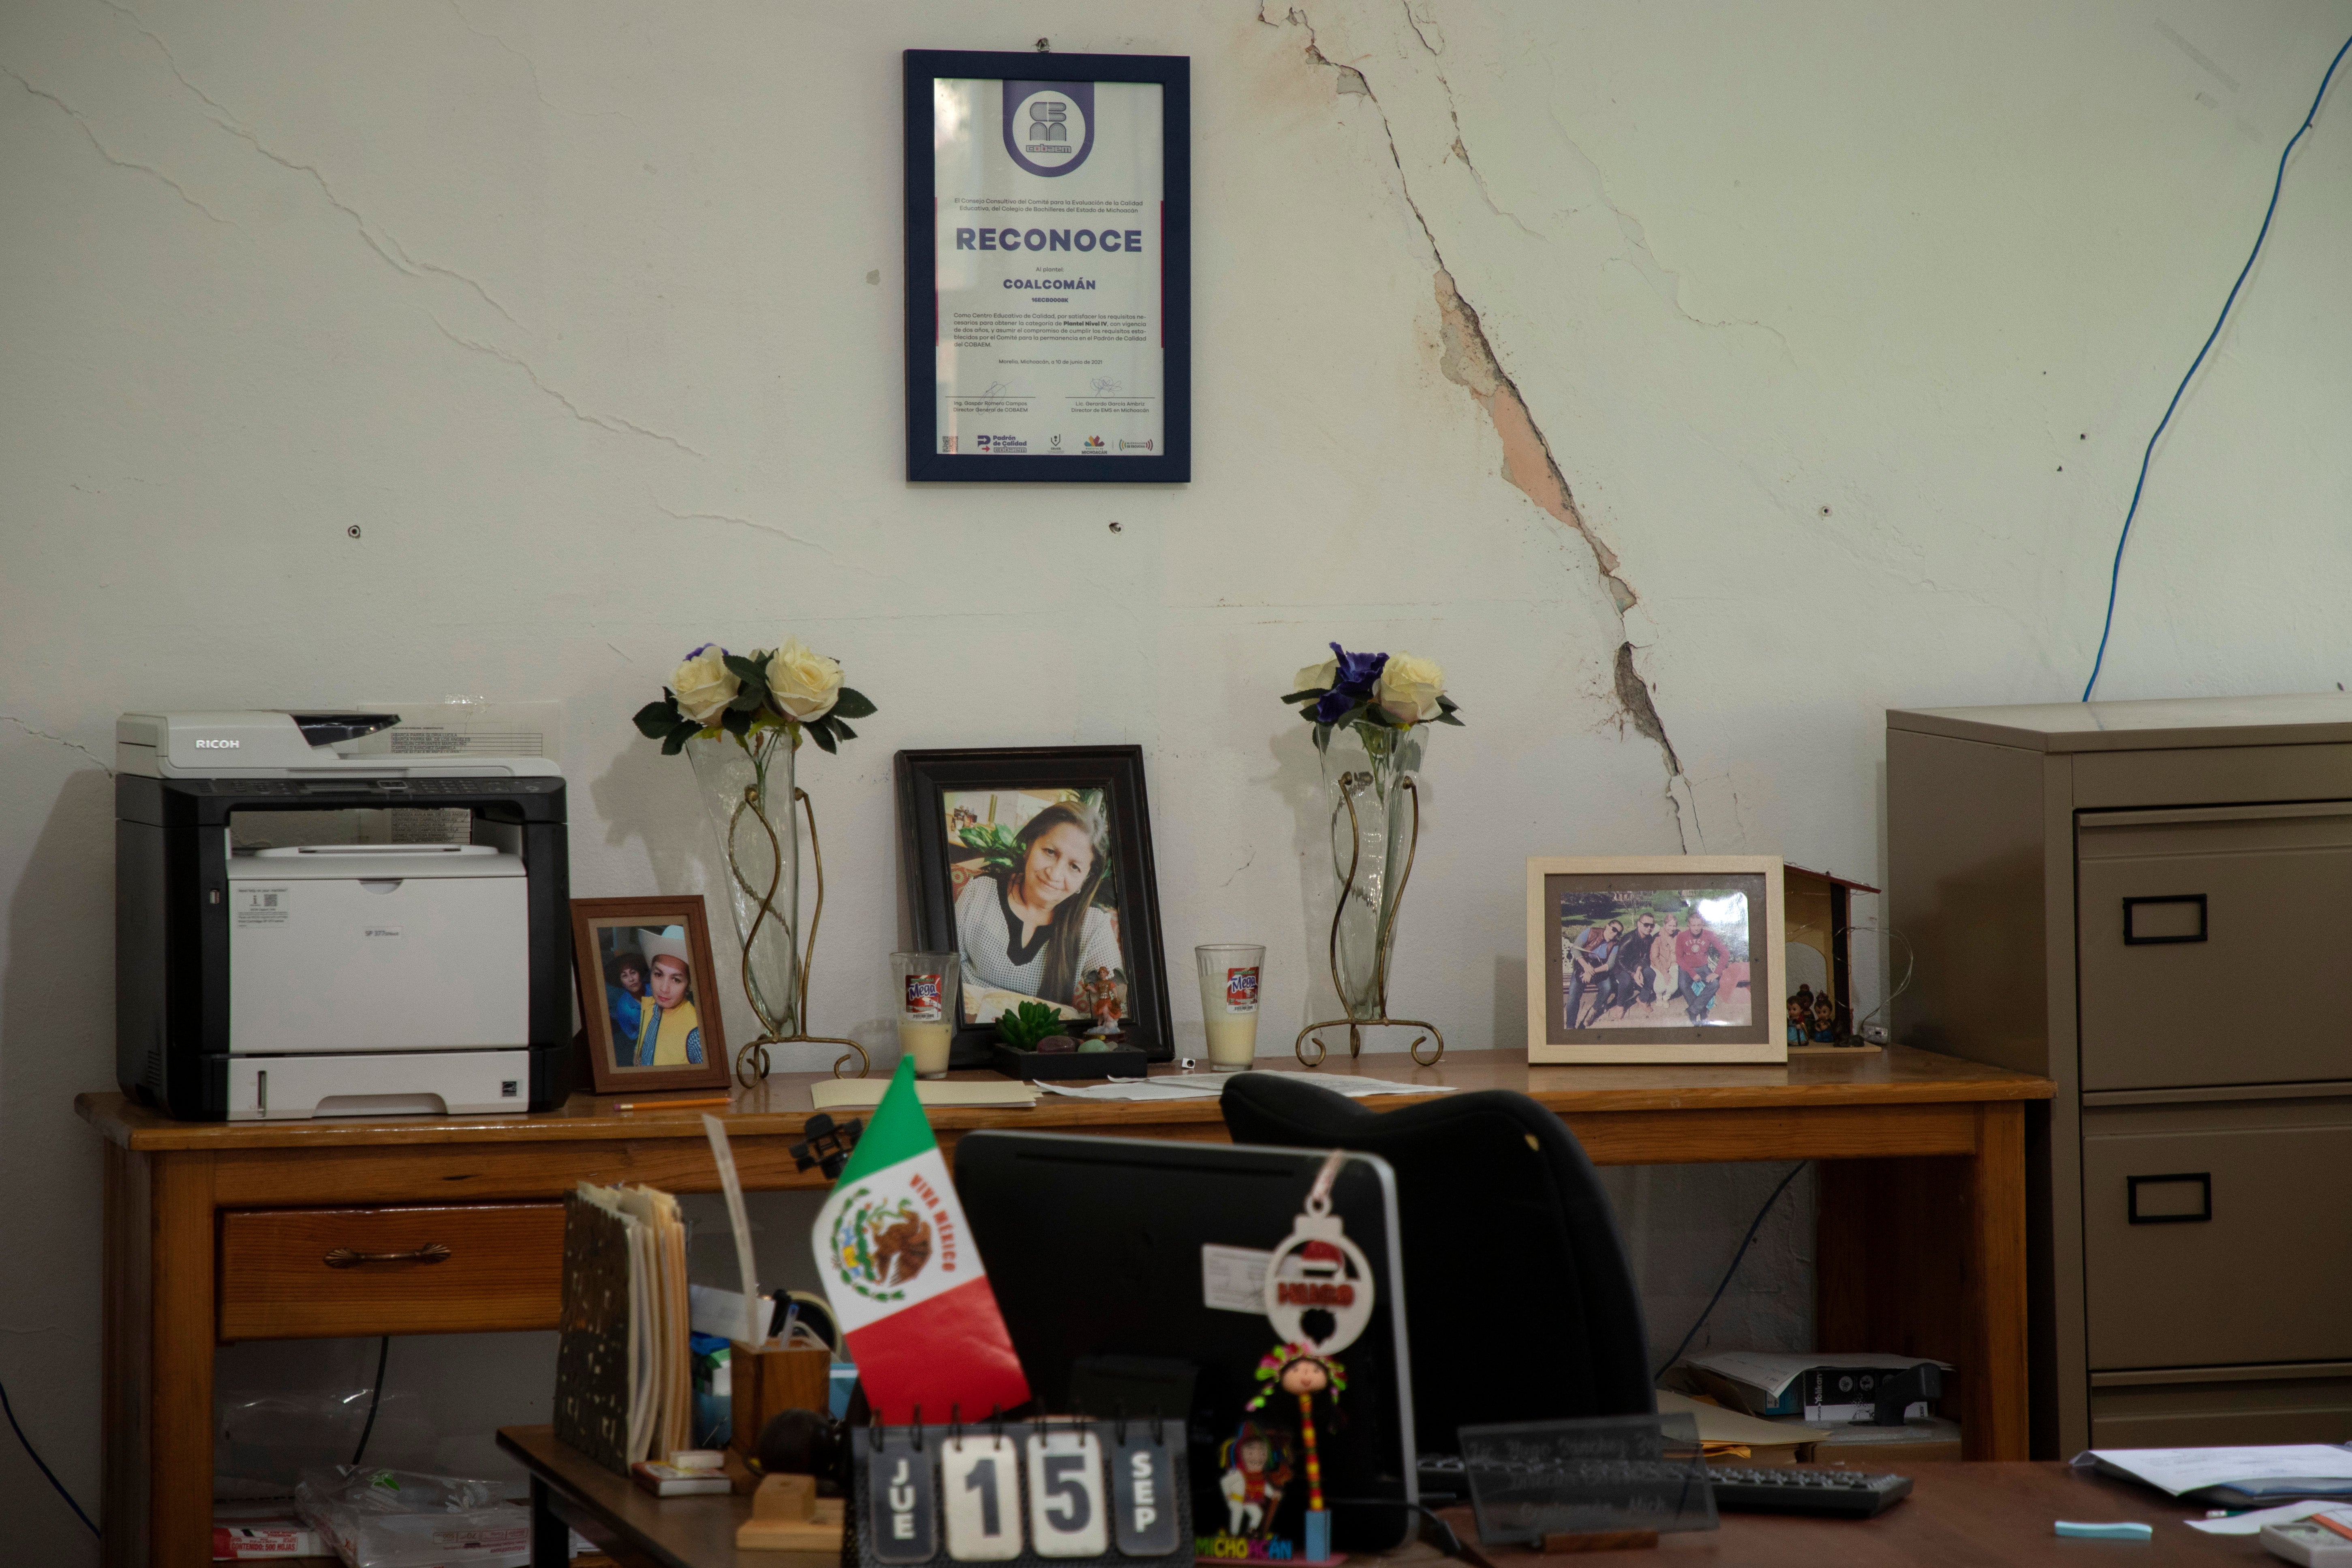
x: 925, y: 462
x: 924, y: 778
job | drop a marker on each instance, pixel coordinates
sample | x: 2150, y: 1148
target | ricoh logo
x: 204, y: 745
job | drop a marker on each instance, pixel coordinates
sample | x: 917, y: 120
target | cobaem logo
x: 1049, y: 126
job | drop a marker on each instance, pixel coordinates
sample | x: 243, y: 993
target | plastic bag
x: 377, y: 1517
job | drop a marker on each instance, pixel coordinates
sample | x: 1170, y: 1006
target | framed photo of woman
x: 1035, y: 866
x: 648, y: 994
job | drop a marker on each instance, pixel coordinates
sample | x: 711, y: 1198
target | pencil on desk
x: 656, y: 1104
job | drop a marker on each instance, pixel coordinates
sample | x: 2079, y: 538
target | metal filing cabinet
x: 2150, y: 903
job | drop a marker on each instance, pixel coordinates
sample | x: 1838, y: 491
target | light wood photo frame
x: 1655, y: 958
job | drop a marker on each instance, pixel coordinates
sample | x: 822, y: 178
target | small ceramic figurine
x: 1798, y: 1022
x: 1301, y: 1371
x: 1825, y: 1022
x: 1257, y: 1467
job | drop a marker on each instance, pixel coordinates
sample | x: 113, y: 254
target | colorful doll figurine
x: 1825, y: 1021
x: 1303, y: 1372
x: 1256, y: 1469
x: 1798, y: 1022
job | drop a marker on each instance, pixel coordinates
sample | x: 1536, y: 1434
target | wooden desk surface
x: 1897, y: 1075
x: 1979, y: 1514
x: 1973, y: 1515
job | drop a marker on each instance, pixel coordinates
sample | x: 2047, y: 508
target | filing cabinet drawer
x: 409, y: 1269
x: 2211, y: 942
x: 2218, y: 1234
x: 2209, y: 1408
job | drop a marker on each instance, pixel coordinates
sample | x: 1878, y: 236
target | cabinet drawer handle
x: 344, y: 1257
x: 2159, y: 932
x: 2170, y: 1190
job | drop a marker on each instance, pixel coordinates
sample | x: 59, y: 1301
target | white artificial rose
x: 1410, y: 687
x: 1316, y: 676
x: 704, y: 685
x: 805, y: 684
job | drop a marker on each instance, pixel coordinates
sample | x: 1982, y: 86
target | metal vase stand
x: 1384, y: 938
x: 751, y: 1060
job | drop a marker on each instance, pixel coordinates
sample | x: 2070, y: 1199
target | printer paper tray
x: 409, y: 1083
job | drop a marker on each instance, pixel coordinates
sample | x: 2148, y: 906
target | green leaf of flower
x: 1308, y: 696
x: 844, y: 730
x: 735, y: 721
x: 655, y: 719
x: 853, y: 704
x: 673, y: 743
x: 1323, y: 737
x: 821, y: 732
x: 1449, y: 718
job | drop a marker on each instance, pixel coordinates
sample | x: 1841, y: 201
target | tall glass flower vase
x: 748, y: 790
x: 1371, y: 791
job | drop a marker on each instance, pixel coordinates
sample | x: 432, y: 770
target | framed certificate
x: 1049, y: 278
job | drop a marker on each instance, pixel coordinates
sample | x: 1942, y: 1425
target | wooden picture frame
x: 1033, y: 423
x: 597, y: 942
x: 1594, y: 994
x: 942, y: 854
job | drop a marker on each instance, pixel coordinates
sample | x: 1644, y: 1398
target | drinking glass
x: 923, y: 1000
x: 1229, y: 1001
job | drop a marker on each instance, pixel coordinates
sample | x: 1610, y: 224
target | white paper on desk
x: 2178, y: 1470
x: 1772, y: 1372
x: 1353, y: 1088
x: 2251, y: 1524
x: 1128, y: 1089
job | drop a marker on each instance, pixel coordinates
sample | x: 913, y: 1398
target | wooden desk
x: 1957, y: 1516
x: 217, y: 1230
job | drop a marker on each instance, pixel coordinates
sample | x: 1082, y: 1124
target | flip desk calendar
x: 1021, y: 1492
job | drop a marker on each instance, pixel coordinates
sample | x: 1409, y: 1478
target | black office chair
x: 1520, y: 1304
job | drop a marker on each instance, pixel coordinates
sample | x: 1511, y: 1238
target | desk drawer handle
x: 344, y: 1257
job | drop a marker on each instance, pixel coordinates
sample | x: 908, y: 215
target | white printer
x: 351, y: 969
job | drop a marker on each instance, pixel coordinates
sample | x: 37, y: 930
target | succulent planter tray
x: 1029, y: 1066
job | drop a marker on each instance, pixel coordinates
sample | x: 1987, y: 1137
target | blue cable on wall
x: 2115, y: 573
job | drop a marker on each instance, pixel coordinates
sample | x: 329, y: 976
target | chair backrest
x: 1520, y: 1304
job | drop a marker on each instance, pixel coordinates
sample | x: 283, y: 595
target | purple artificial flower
x: 1358, y: 672
x: 1333, y: 705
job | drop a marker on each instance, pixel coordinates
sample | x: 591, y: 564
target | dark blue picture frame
x: 925, y: 462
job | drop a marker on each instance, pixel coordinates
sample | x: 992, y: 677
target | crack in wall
x: 784, y: 533
x: 1663, y: 280
x: 108, y: 153
x: 60, y: 741
x: 612, y: 421
x: 1467, y: 358
x: 378, y: 239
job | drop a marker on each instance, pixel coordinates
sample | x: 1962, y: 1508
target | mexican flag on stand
x: 905, y: 1279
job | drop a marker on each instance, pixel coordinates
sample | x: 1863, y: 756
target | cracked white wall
x: 1803, y: 357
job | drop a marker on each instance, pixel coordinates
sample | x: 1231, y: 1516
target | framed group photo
x: 1659, y: 958
x: 1049, y: 266
x: 648, y: 994
x: 1033, y: 865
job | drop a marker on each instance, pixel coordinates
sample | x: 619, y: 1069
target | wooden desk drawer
x: 452, y: 1268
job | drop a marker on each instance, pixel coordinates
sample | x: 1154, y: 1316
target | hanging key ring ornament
x: 1317, y: 1269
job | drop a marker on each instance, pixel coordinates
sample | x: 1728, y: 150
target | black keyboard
x: 1850, y: 1494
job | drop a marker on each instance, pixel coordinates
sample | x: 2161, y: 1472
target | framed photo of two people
x: 1035, y: 866
x: 1661, y: 958
x: 648, y: 994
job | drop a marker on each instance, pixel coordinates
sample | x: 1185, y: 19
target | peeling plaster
x: 612, y: 421
x: 1467, y: 358
x: 57, y: 739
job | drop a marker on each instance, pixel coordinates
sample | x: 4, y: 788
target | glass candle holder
x: 923, y: 1000
x: 1229, y: 973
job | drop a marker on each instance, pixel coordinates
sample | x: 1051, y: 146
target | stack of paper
x: 2280, y: 1470
x: 624, y: 1385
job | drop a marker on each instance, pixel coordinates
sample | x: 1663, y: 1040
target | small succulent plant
x: 1022, y: 1027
